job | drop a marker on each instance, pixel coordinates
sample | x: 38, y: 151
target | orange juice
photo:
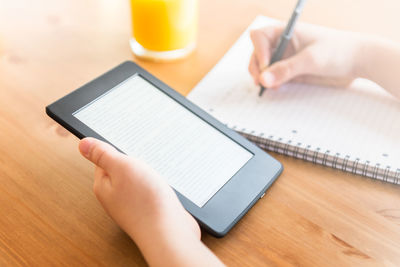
x: 164, y: 25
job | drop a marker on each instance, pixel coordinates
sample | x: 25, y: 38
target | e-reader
x: 217, y: 174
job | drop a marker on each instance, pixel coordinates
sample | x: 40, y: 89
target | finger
x: 253, y: 69
x: 102, y: 154
x: 261, y: 48
x: 101, y: 182
x: 264, y: 41
x: 98, y: 182
x: 100, y: 175
x: 287, y: 69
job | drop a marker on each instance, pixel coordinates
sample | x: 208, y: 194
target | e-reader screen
x: 142, y: 121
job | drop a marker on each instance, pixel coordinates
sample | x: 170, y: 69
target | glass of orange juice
x: 164, y: 29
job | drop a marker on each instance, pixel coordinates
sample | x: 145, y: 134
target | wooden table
x: 49, y: 215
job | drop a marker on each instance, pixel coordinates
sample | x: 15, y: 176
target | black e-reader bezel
x: 233, y: 200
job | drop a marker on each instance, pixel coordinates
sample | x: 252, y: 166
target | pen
x: 285, y: 37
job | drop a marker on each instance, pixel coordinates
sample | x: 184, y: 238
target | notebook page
x: 362, y: 122
x: 195, y: 158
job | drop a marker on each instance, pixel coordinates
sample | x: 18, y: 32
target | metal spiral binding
x: 397, y: 176
x: 286, y: 148
x: 268, y: 144
x: 296, y: 150
x: 325, y: 158
x: 386, y: 174
x: 335, y: 160
x: 278, y: 145
x: 365, y: 170
x: 258, y: 138
x: 355, y: 165
x: 375, y: 172
x: 273, y: 144
x: 306, y: 152
x: 345, y: 162
x: 315, y: 156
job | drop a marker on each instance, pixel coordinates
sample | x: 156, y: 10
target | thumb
x: 102, y: 154
x: 286, y: 70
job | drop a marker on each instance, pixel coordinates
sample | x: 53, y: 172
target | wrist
x: 163, y: 214
x: 163, y: 221
x: 164, y: 228
x: 368, y: 49
x: 167, y: 240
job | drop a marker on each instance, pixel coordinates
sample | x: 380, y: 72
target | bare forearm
x: 379, y: 61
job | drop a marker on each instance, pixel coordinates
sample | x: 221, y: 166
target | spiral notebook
x: 355, y: 129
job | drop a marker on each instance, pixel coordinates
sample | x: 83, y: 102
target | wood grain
x: 311, y: 216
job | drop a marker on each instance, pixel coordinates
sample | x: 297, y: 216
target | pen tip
x: 262, y: 89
